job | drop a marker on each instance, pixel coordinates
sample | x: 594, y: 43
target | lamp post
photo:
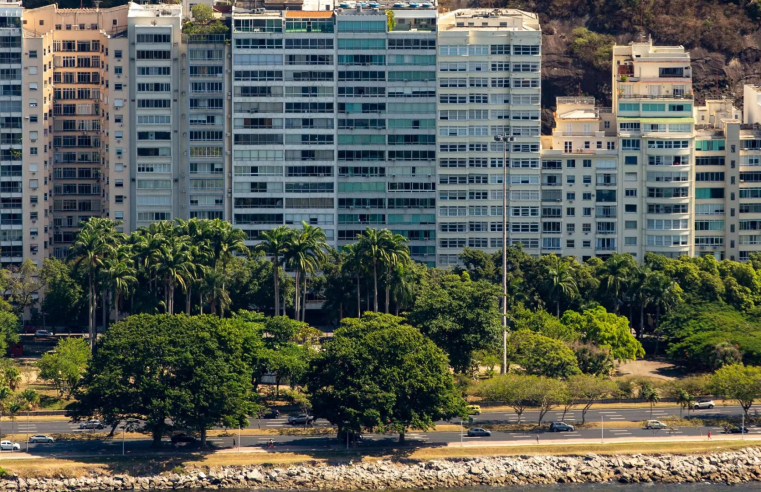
x: 504, y: 138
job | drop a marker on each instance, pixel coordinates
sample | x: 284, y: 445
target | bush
x: 592, y: 48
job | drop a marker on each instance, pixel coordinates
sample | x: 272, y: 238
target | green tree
x: 63, y: 295
x: 379, y: 372
x: 585, y: 389
x: 592, y: 48
x: 737, y: 382
x: 202, y: 13
x: 649, y: 393
x: 459, y: 315
x: 559, y: 282
x: 275, y: 244
x: 542, y: 356
x: 593, y: 359
x: 211, y: 380
x: 9, y: 331
x: 65, y: 366
x: 23, y: 283
x: 607, y: 331
x: 547, y: 394
x: 397, y: 255
x: 515, y: 390
x: 374, y: 245
x: 95, y: 242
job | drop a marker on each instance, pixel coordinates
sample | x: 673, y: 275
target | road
x: 305, y: 443
x: 595, y: 414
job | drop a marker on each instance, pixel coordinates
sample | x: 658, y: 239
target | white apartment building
x: 155, y: 34
x: 489, y: 64
x: 334, y: 122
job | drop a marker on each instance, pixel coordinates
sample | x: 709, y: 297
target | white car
x: 41, y: 438
x: 91, y: 424
x: 704, y: 404
x: 9, y: 446
x: 43, y: 333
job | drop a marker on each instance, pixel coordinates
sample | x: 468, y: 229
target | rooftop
x: 492, y: 19
x: 161, y: 10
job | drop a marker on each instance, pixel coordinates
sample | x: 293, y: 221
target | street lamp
x: 504, y: 138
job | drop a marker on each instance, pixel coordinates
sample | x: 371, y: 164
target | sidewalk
x: 612, y: 440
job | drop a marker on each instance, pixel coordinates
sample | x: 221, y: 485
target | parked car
x: 704, y: 404
x: 182, y: 437
x: 43, y: 333
x: 302, y: 419
x: 736, y: 429
x: 9, y: 446
x: 478, y: 432
x: 655, y: 424
x: 270, y: 414
x: 474, y: 409
x: 91, y: 424
x: 41, y: 438
x: 561, y: 427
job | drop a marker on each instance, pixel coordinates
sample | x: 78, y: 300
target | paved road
x: 316, y: 443
x: 595, y: 414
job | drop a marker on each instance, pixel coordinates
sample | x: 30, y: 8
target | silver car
x: 41, y: 438
x: 478, y: 432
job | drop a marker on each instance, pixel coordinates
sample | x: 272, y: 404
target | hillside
x: 723, y: 37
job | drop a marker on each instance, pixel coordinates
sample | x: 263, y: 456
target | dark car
x: 737, y: 429
x: 270, y: 414
x: 178, y: 438
x: 353, y: 437
x: 478, y: 432
x: 561, y: 427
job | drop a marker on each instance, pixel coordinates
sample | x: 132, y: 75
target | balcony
x: 656, y: 96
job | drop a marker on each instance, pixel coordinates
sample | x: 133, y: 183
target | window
x: 630, y: 208
x: 117, y: 53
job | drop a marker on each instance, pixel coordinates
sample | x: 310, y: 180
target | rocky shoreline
x: 731, y: 468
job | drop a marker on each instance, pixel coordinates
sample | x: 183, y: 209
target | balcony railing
x: 655, y: 96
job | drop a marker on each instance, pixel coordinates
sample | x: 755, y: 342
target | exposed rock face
x: 730, y: 468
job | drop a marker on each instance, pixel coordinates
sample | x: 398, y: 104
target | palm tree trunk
x: 388, y: 288
x: 375, y: 286
x: 90, y: 312
x: 117, y: 297
x: 641, y: 319
x: 304, y: 300
x: 359, y: 300
x: 104, y: 305
x: 277, y: 289
x: 296, y: 296
x: 187, y: 300
x: 557, y: 307
x: 170, y: 298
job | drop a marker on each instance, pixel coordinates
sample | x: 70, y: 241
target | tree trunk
x: 117, y: 297
x: 557, y: 307
x: 113, y: 428
x: 90, y: 312
x: 203, y: 437
x: 359, y: 300
x: 104, y: 306
x: 157, y: 432
x: 401, y: 438
x: 304, y: 300
x: 296, y: 295
x: 388, y: 290
x: 641, y: 319
x: 170, y: 298
x: 375, y: 286
x: 276, y: 281
x: 187, y: 300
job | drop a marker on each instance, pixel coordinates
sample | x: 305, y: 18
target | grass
x: 77, y: 467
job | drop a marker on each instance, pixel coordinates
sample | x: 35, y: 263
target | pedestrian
x: 709, y: 435
x: 233, y: 442
x: 537, y: 438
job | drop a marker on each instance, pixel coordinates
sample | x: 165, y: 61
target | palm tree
x: 275, y: 244
x: 402, y: 285
x: 352, y: 265
x: 616, y: 272
x: 318, y: 246
x: 637, y: 294
x: 559, y: 281
x: 5, y: 395
x: 120, y: 275
x: 298, y: 257
x: 397, y: 254
x: 94, y: 244
x: 374, y: 245
x: 662, y: 293
x: 174, y: 265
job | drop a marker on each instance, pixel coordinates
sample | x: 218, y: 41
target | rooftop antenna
x: 97, y: 4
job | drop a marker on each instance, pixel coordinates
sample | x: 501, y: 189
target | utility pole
x: 504, y: 138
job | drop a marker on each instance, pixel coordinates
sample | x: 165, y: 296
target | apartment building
x: 580, y: 160
x: 205, y: 96
x: 489, y: 65
x: 334, y: 122
x: 69, y: 145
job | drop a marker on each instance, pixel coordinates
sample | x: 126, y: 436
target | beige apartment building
x: 74, y: 144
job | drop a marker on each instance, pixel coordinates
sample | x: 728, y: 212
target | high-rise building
x: 72, y: 144
x: 489, y: 64
x: 334, y: 122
